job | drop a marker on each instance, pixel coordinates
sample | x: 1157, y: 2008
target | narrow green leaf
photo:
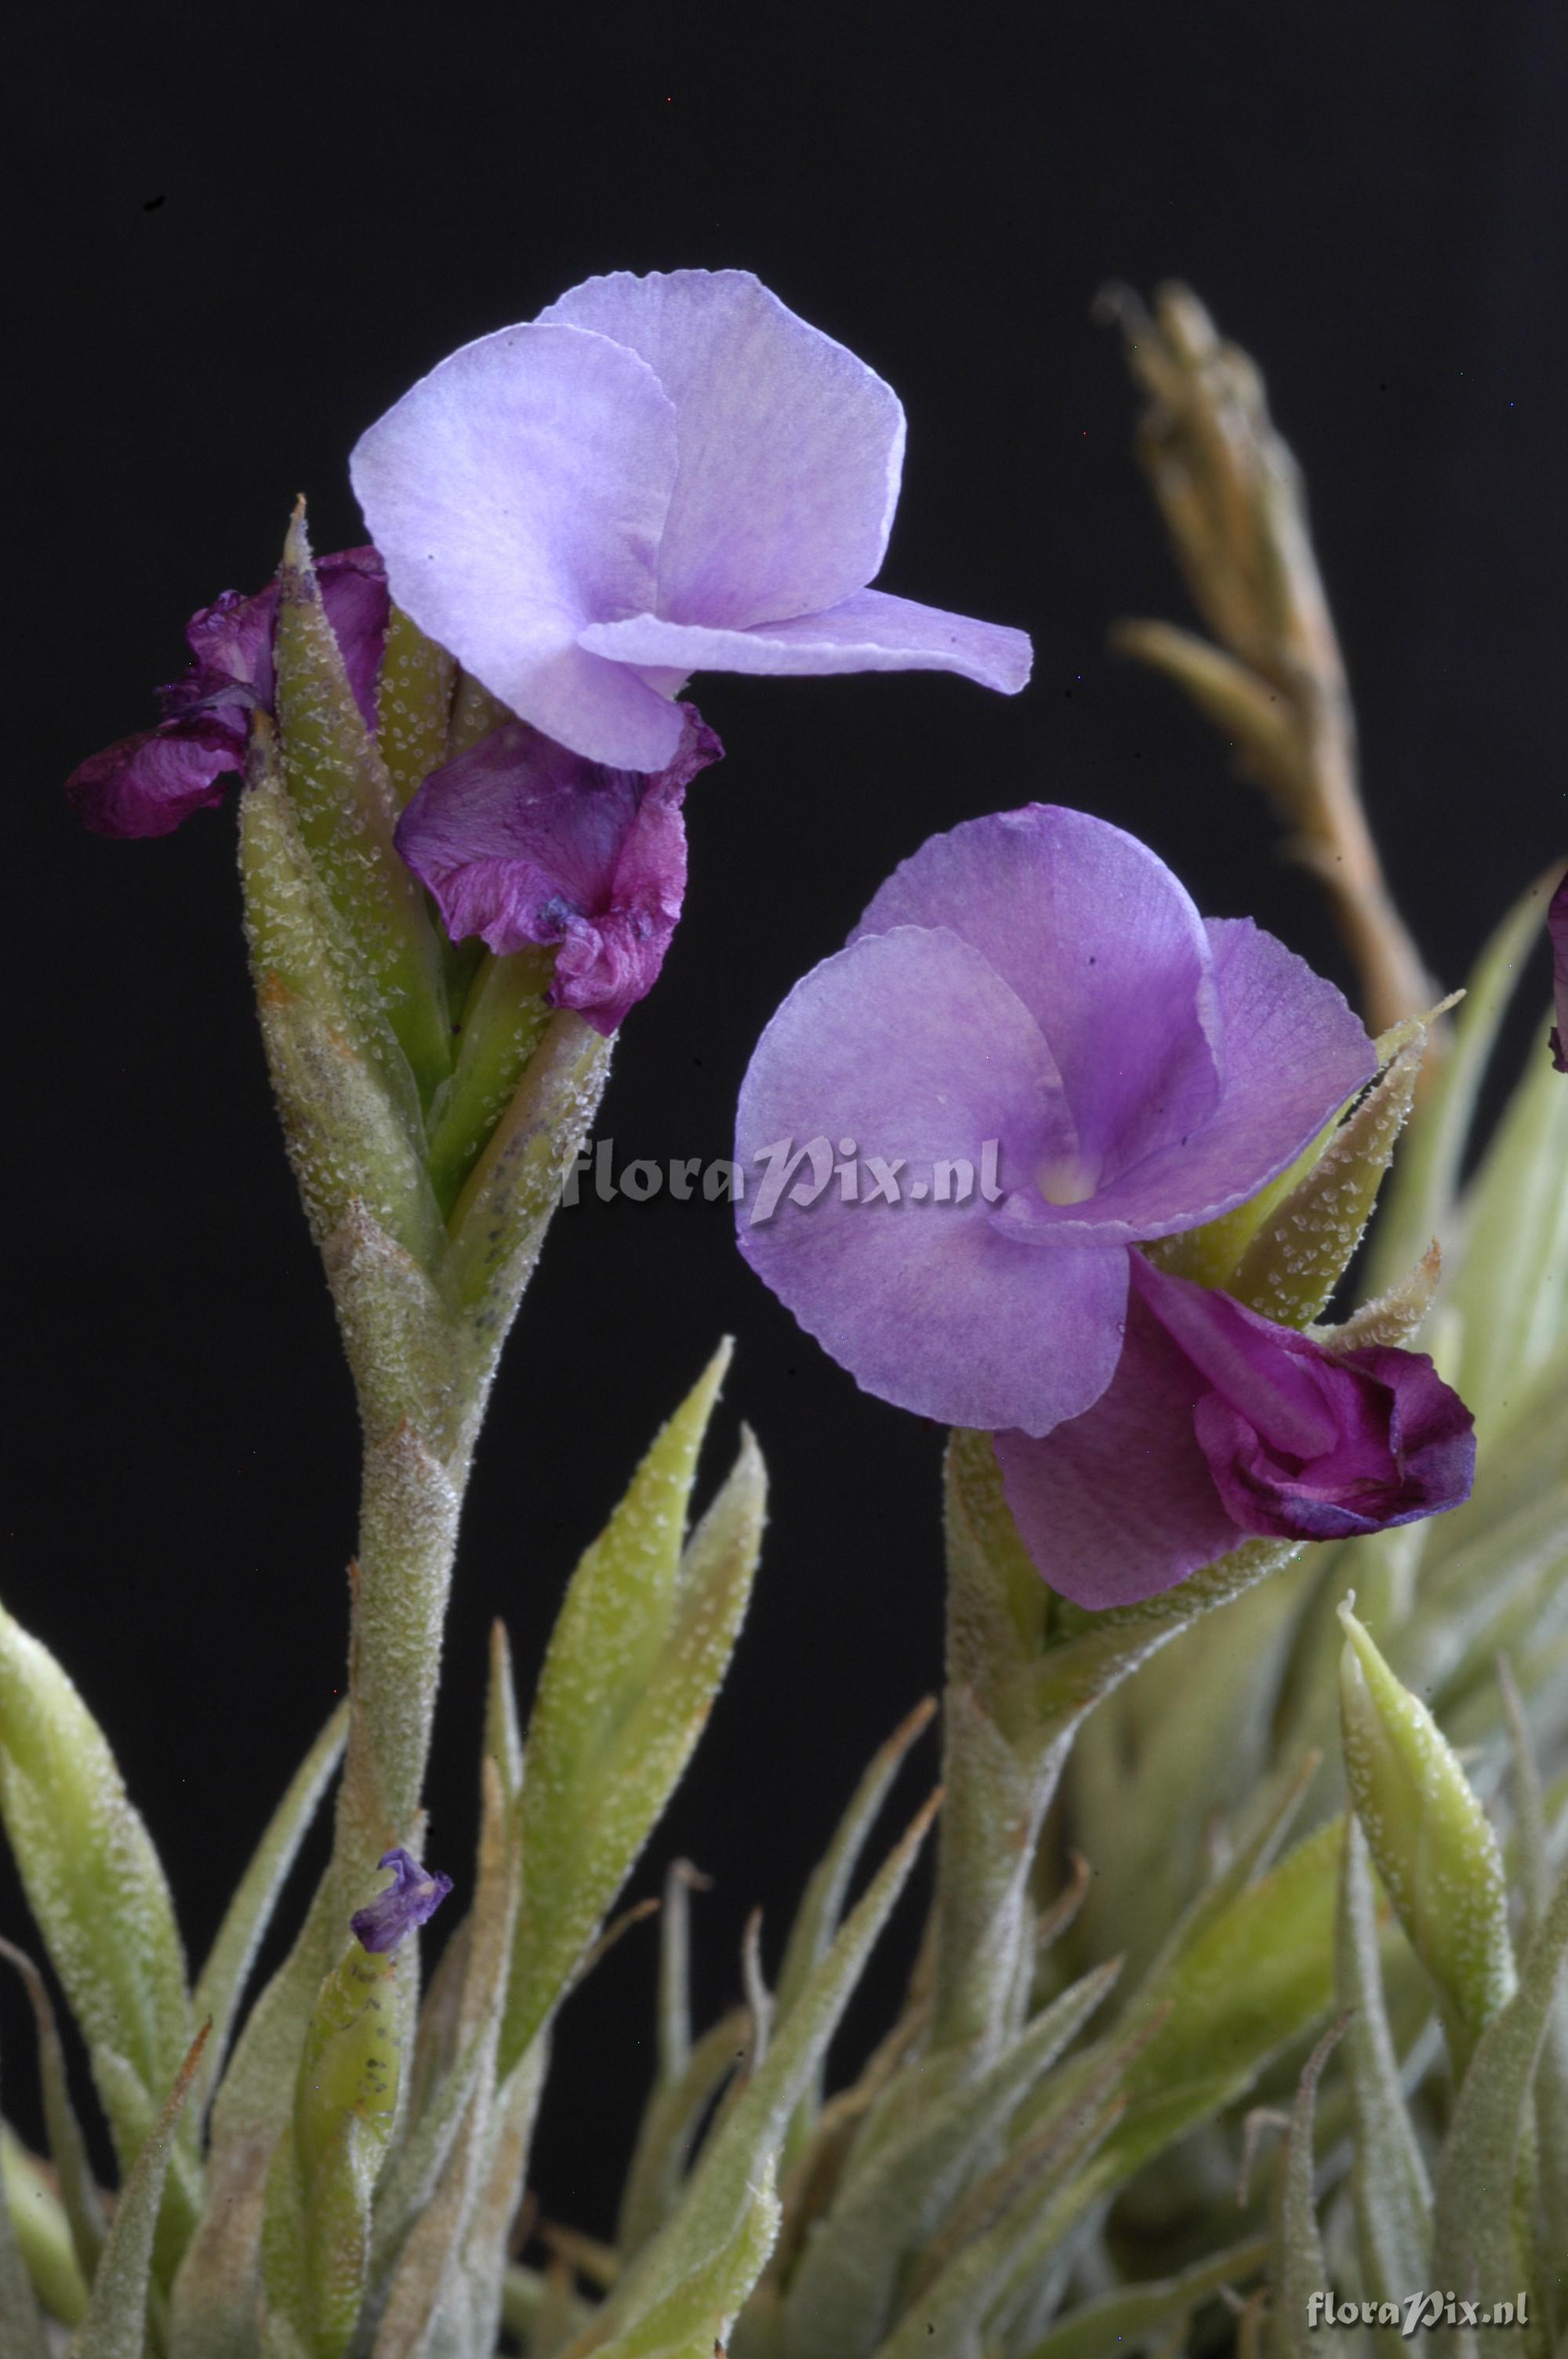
x: 347, y: 811
x: 693, y: 2321
x: 499, y: 1220
x: 115, y: 2324
x: 67, y: 2146
x: 91, y: 1875
x: 1391, y: 2193
x: 841, y: 2296
x: 816, y: 1919
x: 1298, y: 2266
x: 1143, y: 2317
x: 1474, y: 2213
x: 348, y: 1103
x: 745, y: 2144
x: 503, y: 1021
x: 1426, y: 1176
x: 223, y: 1979
x: 636, y: 1656
x: 22, y: 2332
x: 669, y: 2129
x: 413, y: 705
x: 1433, y: 1846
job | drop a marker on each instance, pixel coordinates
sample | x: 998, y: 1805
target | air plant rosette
x: 1239, y: 2009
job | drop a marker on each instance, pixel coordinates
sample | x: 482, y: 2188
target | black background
x: 235, y: 238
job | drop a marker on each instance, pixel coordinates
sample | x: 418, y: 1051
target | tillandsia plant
x: 1254, y: 1723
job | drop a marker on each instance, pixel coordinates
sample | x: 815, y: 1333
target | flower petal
x: 910, y: 1046
x: 522, y: 840
x: 147, y: 785
x: 1118, y: 1504
x: 1293, y: 1051
x: 870, y: 631
x: 1106, y: 951
x: 791, y: 449
x: 411, y: 1899
x: 516, y: 493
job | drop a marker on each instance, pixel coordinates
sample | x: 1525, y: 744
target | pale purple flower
x: 410, y: 1899
x: 656, y: 476
x: 147, y: 785
x: 1037, y: 979
x: 1557, y: 928
x: 1033, y: 995
x: 521, y: 842
x: 1219, y: 1426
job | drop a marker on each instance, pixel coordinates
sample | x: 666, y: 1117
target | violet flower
x: 1034, y: 999
x: 657, y: 475
x: 1557, y: 928
x: 1219, y: 1425
x: 148, y: 784
x: 410, y: 1899
x: 521, y: 842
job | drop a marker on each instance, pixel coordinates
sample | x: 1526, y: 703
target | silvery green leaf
x: 214, y: 2311
x: 68, y: 2148
x: 115, y: 2323
x: 1297, y: 2266
x: 1264, y: 1824
x: 1431, y: 1839
x: 1510, y: 1292
x: 639, y: 1649
x: 1419, y: 1201
x: 413, y: 705
x: 669, y: 2129
x: 22, y: 2332
x: 347, y: 811
x: 348, y: 1103
x: 841, y: 2296
x: 92, y: 1877
x: 504, y: 1016
x: 474, y: 2316
x: 1391, y: 2193
x: 693, y: 2319
x: 499, y: 1220
x: 816, y: 1919
x: 397, y: 1335
x: 1474, y: 2213
x: 744, y: 2145
x: 1142, y: 2316
x: 223, y: 1979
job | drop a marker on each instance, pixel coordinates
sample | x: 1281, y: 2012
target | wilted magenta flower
x: 148, y: 784
x: 1557, y: 927
x: 1033, y: 1055
x: 656, y: 476
x: 521, y: 842
x: 1219, y: 1425
x: 410, y: 1899
x: 1033, y: 993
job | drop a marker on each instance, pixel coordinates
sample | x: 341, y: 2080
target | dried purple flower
x: 521, y: 842
x: 411, y: 1899
x: 148, y: 784
x: 658, y: 475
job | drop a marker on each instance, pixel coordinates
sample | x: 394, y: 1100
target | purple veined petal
x: 357, y: 602
x: 1557, y: 928
x: 791, y: 449
x: 522, y: 840
x: 1106, y: 951
x: 147, y: 785
x: 516, y: 493
x: 1119, y: 1504
x: 1294, y: 1051
x: 910, y: 1046
x: 870, y: 631
x: 411, y: 1899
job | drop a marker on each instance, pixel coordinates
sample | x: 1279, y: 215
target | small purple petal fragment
x: 410, y: 1900
x: 148, y: 784
x: 522, y: 840
x: 1557, y: 928
x: 1219, y: 1426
